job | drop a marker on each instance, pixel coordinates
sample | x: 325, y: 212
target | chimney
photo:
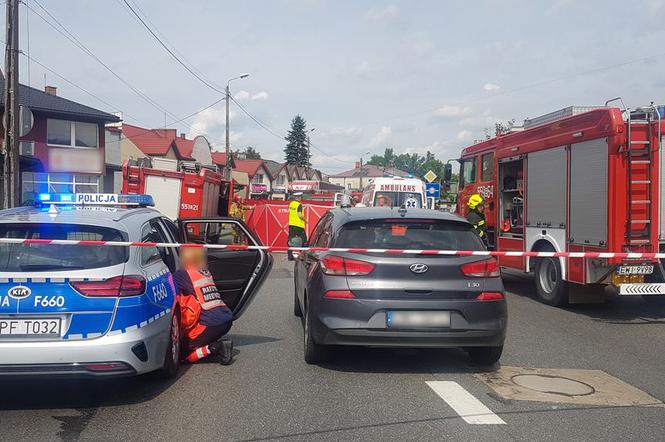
x: 51, y: 90
x: 357, y: 164
x: 182, y: 135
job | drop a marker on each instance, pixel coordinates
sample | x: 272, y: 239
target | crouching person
x: 205, y: 317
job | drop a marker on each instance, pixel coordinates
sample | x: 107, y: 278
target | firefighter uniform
x: 476, y: 217
x: 205, y: 317
x: 296, y: 224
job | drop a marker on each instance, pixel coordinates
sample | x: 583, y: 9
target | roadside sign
x: 433, y: 190
x: 430, y: 176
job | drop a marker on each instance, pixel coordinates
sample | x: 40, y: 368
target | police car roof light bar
x: 94, y: 199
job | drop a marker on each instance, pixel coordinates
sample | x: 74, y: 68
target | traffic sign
x: 430, y: 176
x: 433, y: 190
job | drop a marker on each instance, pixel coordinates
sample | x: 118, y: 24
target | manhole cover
x: 553, y: 384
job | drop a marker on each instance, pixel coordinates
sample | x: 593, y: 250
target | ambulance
x: 397, y: 191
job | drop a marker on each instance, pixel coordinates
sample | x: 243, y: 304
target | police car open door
x: 238, y: 273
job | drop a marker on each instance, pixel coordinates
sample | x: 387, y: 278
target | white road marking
x: 464, y: 403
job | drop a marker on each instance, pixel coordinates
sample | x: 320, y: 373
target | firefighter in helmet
x: 476, y: 215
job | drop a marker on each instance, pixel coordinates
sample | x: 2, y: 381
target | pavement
x: 270, y: 393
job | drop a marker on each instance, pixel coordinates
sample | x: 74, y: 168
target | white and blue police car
x: 102, y: 311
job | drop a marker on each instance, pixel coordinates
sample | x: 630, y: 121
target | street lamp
x: 227, y: 166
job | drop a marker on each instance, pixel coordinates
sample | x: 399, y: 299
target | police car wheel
x: 314, y: 353
x: 485, y: 355
x: 173, y: 350
x: 550, y: 286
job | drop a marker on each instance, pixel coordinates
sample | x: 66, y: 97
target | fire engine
x: 582, y: 179
x: 186, y: 191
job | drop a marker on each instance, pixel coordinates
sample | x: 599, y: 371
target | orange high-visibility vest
x: 205, y: 289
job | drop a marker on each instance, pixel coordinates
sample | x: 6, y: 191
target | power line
x: 74, y: 40
x: 167, y: 49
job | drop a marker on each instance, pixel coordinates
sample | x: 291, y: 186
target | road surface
x: 369, y: 394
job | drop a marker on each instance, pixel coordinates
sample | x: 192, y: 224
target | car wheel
x: 550, y: 286
x: 173, y: 350
x: 314, y: 353
x: 485, y: 355
x: 655, y: 300
x: 297, y: 311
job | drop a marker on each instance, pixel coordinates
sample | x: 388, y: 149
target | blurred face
x: 193, y: 257
x: 382, y: 202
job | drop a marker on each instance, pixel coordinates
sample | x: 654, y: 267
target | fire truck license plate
x: 642, y: 269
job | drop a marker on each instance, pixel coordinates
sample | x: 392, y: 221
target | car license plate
x: 642, y: 269
x: 415, y: 319
x: 30, y: 327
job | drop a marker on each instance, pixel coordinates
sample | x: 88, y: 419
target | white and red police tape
x: 69, y: 242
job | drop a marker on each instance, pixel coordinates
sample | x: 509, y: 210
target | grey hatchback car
x: 398, y: 300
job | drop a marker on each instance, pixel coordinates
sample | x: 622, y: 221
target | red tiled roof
x: 219, y: 158
x: 157, y: 142
x: 250, y: 167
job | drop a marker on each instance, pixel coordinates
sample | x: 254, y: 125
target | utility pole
x: 227, y: 166
x: 361, y: 170
x: 10, y: 148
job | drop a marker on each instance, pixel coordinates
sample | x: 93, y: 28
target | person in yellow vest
x: 237, y: 209
x: 297, y: 224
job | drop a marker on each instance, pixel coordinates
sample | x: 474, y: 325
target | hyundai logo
x: 19, y: 292
x: 418, y: 268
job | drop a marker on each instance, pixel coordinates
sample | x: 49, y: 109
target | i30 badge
x: 19, y: 292
x: 418, y: 268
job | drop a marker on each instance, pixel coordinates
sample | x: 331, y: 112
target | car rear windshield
x: 409, y: 234
x: 45, y: 257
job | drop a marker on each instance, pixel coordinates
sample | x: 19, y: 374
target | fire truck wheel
x: 550, y: 286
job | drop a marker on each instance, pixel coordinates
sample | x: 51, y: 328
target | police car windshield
x: 409, y: 234
x: 44, y: 257
x: 398, y: 199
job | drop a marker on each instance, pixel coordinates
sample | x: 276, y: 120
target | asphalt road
x: 364, y: 394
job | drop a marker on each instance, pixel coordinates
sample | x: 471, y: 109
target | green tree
x: 386, y: 160
x: 252, y: 154
x: 296, y: 151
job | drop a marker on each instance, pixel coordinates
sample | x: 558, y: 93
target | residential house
x: 259, y: 176
x: 62, y: 148
x: 241, y: 179
x: 281, y: 178
x: 357, y: 178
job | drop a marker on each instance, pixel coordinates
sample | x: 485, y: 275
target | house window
x: 258, y: 178
x: 34, y: 182
x: 71, y: 134
x: 281, y: 180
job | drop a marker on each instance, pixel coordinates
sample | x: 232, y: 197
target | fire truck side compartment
x: 588, y: 193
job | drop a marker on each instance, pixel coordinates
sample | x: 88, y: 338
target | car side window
x: 150, y: 255
x: 168, y: 254
x: 316, y: 233
x: 324, y: 234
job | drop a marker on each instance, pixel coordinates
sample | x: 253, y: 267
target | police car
x: 101, y: 311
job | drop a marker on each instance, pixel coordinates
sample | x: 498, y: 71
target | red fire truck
x: 191, y: 191
x: 582, y: 179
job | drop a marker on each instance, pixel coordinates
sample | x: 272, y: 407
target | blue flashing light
x: 95, y: 199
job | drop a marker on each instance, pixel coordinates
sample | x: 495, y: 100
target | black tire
x: 485, y: 355
x: 550, y: 286
x: 655, y: 300
x: 297, y: 311
x: 314, y: 352
x: 172, y: 357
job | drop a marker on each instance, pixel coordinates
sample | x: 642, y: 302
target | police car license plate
x: 30, y: 327
x: 415, y: 319
x: 641, y: 269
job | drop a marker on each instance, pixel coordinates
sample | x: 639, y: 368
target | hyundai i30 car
x: 375, y: 298
x: 91, y: 310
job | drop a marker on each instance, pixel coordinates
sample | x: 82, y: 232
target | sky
x: 366, y: 75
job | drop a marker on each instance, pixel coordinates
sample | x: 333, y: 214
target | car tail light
x: 488, y: 268
x: 339, y: 294
x: 490, y: 296
x: 337, y: 265
x: 117, y: 286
